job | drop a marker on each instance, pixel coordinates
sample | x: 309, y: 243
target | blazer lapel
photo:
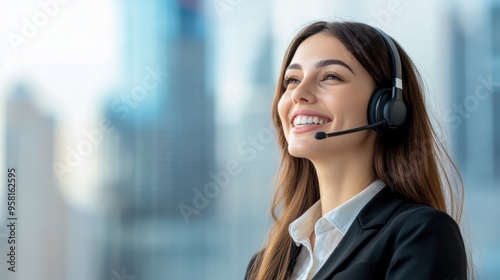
x: 368, y: 222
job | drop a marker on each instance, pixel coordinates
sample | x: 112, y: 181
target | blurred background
x: 141, y: 135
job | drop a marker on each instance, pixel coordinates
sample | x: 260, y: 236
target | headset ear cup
x: 395, y: 113
x: 376, y: 107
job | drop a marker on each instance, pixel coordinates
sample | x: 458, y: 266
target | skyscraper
x: 163, y: 145
x: 41, y: 212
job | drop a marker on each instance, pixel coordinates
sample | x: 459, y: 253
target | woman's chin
x: 300, y: 151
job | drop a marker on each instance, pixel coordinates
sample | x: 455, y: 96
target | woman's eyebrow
x: 322, y: 63
x: 294, y: 66
x: 326, y: 62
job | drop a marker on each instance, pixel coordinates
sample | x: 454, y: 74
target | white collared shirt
x: 329, y: 230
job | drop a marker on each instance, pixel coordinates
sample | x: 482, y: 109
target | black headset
x: 386, y: 104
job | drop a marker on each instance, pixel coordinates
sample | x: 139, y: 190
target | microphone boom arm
x: 323, y: 135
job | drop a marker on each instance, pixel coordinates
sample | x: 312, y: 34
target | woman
x: 364, y: 205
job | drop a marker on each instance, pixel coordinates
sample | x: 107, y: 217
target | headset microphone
x: 323, y: 135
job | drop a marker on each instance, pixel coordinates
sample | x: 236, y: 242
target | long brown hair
x: 411, y: 158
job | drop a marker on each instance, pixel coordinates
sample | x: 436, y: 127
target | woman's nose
x: 304, y: 93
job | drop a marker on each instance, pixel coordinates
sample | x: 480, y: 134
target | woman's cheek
x: 283, y: 110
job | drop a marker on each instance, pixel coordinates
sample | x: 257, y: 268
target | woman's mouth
x: 309, y: 120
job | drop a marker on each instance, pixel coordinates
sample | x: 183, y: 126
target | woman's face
x: 328, y: 90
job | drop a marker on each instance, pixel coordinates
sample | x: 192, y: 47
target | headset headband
x: 397, y: 82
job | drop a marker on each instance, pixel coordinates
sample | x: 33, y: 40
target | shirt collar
x: 302, y: 227
x: 341, y: 217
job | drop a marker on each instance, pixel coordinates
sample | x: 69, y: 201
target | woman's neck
x: 343, y: 176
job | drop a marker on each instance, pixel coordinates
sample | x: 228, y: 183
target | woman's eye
x: 290, y: 80
x: 332, y: 77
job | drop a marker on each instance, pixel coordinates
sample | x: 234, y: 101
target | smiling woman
x: 365, y: 205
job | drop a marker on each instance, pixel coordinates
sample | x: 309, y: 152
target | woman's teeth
x: 308, y: 120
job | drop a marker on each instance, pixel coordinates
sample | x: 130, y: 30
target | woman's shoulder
x: 398, y: 209
x: 419, y: 212
x: 424, y: 239
x: 392, y: 209
x: 414, y: 219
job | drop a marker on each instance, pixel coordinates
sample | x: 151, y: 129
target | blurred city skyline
x: 143, y: 137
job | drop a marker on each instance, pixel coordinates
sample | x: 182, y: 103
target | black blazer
x: 394, y: 239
